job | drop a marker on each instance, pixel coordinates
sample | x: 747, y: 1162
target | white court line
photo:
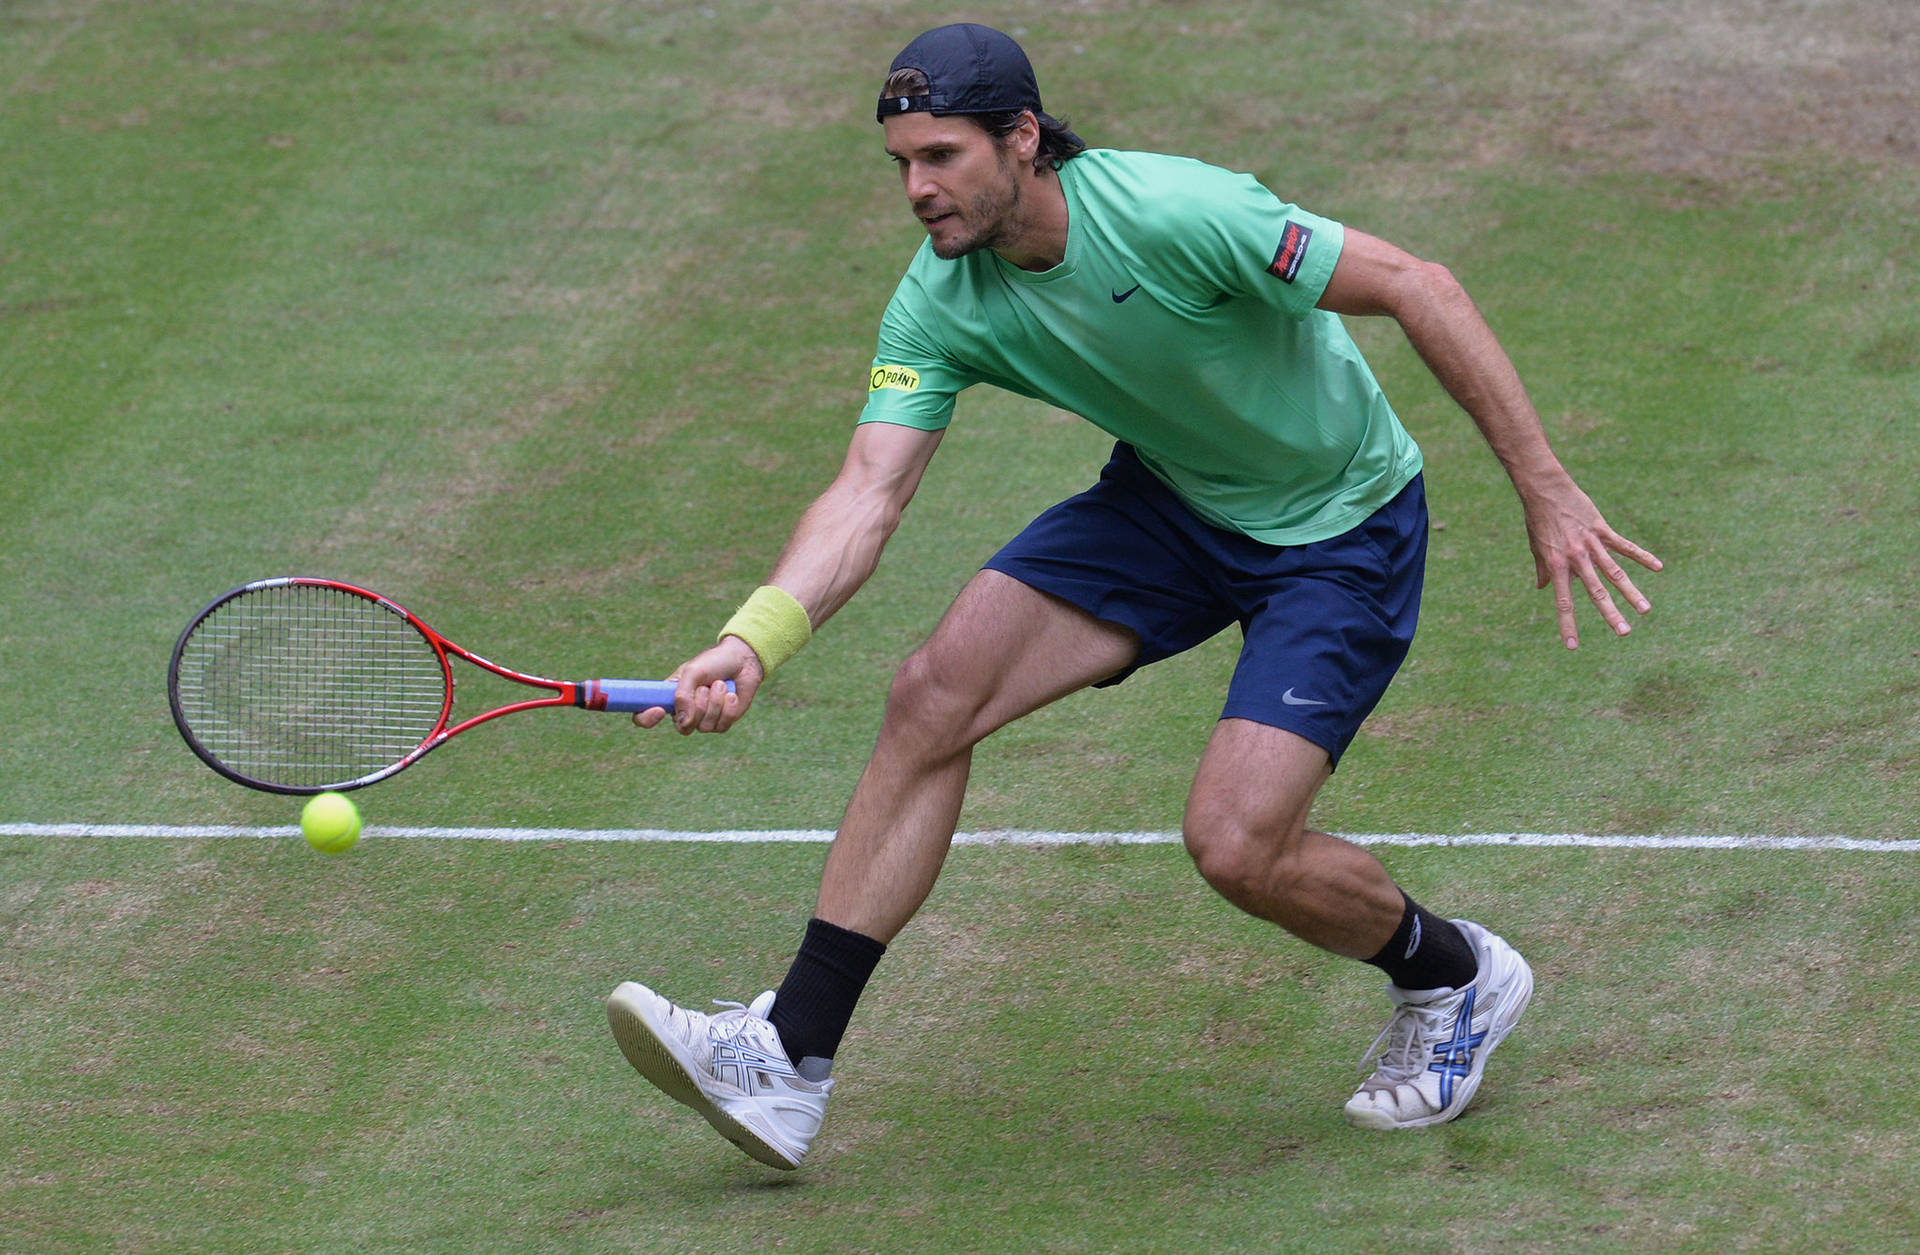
x: 991, y: 837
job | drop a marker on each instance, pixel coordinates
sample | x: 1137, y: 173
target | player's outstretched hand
x: 702, y: 702
x: 1571, y: 542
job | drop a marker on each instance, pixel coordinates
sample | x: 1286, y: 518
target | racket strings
x: 304, y: 685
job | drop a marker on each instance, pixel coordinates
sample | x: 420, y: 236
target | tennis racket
x: 297, y: 685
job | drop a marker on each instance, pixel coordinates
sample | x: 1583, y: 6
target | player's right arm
x: 834, y: 549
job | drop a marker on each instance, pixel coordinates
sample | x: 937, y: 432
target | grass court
x: 546, y: 319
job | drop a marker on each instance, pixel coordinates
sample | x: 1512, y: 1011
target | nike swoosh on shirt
x: 1291, y: 700
x: 1118, y: 297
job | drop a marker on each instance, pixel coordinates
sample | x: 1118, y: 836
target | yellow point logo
x: 899, y: 378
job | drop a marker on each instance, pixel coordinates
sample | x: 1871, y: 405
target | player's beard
x: 989, y: 218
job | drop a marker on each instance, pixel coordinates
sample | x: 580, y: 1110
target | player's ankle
x: 815, y: 1002
x: 1426, y: 952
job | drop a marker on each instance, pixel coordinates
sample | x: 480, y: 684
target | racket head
x: 301, y: 685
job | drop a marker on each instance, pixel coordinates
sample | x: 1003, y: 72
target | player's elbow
x: 1425, y: 285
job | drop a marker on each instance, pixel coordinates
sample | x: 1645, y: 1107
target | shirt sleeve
x: 1234, y: 237
x: 911, y: 382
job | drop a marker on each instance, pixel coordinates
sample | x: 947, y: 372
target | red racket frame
x: 608, y: 695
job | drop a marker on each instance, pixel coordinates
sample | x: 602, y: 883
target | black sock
x: 1427, y: 952
x: 816, y: 1000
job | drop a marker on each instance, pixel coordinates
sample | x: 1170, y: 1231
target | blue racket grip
x: 628, y: 695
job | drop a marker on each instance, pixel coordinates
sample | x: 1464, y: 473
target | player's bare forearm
x: 833, y: 550
x: 1569, y: 538
x: 1447, y: 330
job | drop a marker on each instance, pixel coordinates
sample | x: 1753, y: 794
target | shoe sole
x: 1497, y: 1030
x: 660, y: 1059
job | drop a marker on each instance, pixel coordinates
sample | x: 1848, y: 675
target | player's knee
x: 929, y: 702
x: 1242, y: 865
x: 1221, y: 853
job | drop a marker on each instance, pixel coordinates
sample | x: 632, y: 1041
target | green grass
x: 548, y: 319
x: 1075, y: 1051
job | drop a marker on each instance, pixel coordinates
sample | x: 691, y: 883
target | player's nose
x: 921, y: 190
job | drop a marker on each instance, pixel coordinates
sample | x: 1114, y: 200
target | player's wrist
x: 773, y: 624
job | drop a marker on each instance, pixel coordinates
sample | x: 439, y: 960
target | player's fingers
x: 1602, y: 599
x: 1645, y: 557
x: 1617, y: 576
x: 686, y: 701
x: 687, y: 711
x: 688, y: 722
x: 710, y: 714
x: 1563, y: 606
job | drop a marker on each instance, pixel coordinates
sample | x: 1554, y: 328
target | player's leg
x: 1093, y: 587
x: 1246, y: 828
x: 1002, y: 651
x: 1457, y: 989
x: 1327, y: 624
x: 761, y: 1074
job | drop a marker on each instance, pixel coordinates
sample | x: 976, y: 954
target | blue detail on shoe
x: 1453, y: 1058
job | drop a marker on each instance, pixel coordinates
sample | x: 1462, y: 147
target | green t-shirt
x: 1181, y: 321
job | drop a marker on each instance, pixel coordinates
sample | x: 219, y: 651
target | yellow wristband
x: 772, y: 623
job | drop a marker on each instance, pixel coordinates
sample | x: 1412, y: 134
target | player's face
x: 963, y: 184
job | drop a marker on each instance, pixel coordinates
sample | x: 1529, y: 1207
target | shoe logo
x: 1291, y: 700
x: 1120, y: 297
x: 1453, y: 1058
x: 748, y: 1070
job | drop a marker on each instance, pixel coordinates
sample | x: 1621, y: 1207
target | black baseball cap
x: 970, y: 69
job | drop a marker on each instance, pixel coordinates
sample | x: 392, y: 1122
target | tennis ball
x: 331, y: 823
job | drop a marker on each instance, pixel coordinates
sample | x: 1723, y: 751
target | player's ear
x: 1025, y: 138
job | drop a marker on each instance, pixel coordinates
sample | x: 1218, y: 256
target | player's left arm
x: 1570, y: 539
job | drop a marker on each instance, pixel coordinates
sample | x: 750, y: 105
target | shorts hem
x: 1331, y: 742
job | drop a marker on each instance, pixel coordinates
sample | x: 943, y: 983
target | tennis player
x: 1259, y: 478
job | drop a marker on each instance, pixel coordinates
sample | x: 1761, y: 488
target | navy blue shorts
x: 1325, y: 625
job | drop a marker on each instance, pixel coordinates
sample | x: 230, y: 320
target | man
x: 1260, y: 478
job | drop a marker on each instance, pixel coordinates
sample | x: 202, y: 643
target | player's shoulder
x: 932, y: 294
x: 1149, y: 182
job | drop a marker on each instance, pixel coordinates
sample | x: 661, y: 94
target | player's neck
x: 1039, y: 239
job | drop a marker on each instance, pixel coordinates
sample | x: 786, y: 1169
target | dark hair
x: 1058, y: 145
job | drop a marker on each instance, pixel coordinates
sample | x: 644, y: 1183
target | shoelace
x: 731, y: 1020
x: 738, y: 1019
x: 1398, y: 1047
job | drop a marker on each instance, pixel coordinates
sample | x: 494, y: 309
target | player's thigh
x: 1001, y: 651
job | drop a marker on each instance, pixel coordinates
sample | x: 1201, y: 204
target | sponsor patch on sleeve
x: 899, y: 378
x: 1292, y: 251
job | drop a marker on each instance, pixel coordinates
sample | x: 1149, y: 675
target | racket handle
x: 628, y: 695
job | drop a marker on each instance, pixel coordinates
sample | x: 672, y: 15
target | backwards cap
x: 969, y: 69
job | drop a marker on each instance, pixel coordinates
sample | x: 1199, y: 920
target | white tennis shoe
x: 1431, y: 1054
x: 729, y: 1067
